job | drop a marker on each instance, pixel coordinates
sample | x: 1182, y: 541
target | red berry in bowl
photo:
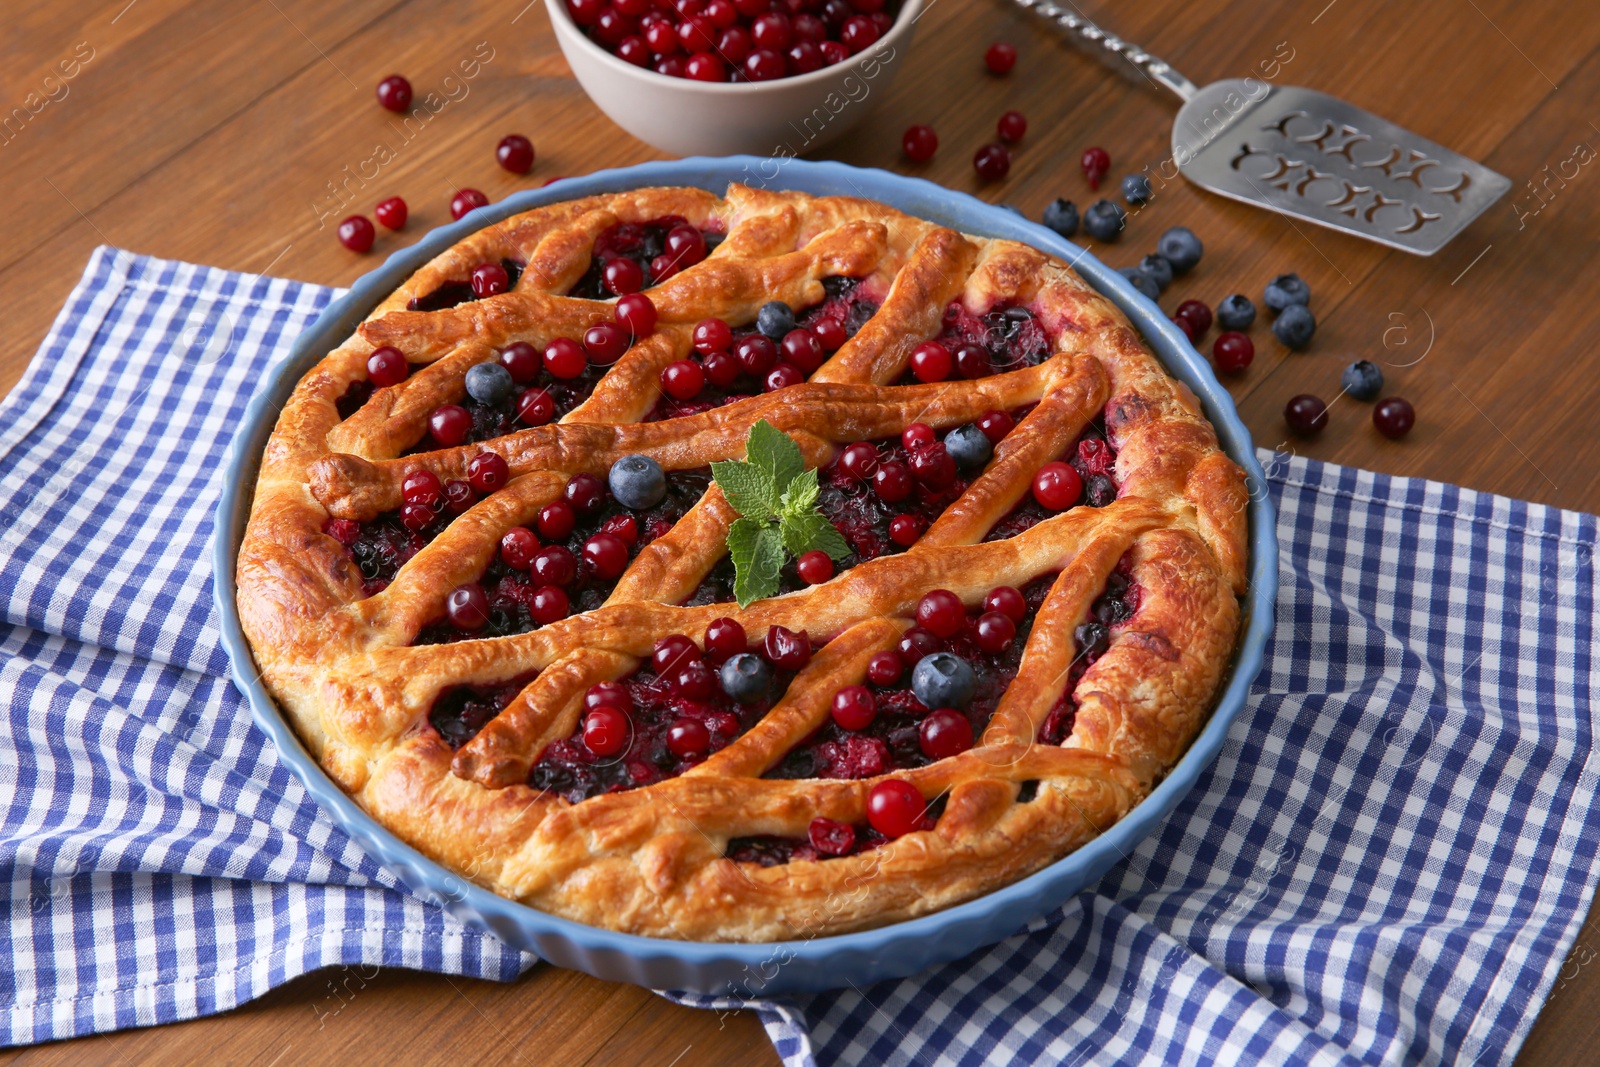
x: 450, y: 424
x: 833, y: 52
x: 356, y: 233
x: 386, y: 366
x: 489, y: 279
x: 672, y: 67
x: 394, y: 93
x: 734, y: 46
x: 586, y: 12
x: 622, y: 276
x: 391, y: 213
x: 614, y: 27
x: 1012, y: 126
x: 535, y: 407
x: 992, y: 162
x: 764, y: 65
x: 722, y: 13
x: 466, y: 200
x: 697, y: 35
x: 931, y: 362
x: 805, y: 27
x: 1306, y: 415
x: 704, y: 67
x: 803, y: 58
x: 1057, y: 486
x: 488, y: 472
x: 771, y: 31
x: 1394, y: 417
x: 858, y: 33
x: 1232, y: 351
x: 1096, y: 163
x: 638, y: 313
x: 895, y: 808
x: 1000, y: 57
x: 683, y: 379
x: 564, y: 358
x: 814, y: 567
x: 662, y: 37
x: 515, y: 153
x: 634, y: 50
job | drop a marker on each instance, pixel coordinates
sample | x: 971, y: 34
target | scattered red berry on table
x: 1000, y: 57
x: 1197, y: 314
x: 1232, y: 352
x: 356, y: 233
x: 394, y: 93
x: 992, y: 162
x: 391, y: 213
x: 515, y: 153
x: 466, y: 200
x: 919, y: 143
x: 1096, y: 164
x: 1012, y: 126
x: 1394, y: 417
x: 1306, y: 414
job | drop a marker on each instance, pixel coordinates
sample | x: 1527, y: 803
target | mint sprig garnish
x: 776, y: 498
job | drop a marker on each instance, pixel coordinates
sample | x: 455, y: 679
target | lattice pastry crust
x: 652, y: 860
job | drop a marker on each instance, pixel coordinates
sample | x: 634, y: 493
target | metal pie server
x: 1307, y: 154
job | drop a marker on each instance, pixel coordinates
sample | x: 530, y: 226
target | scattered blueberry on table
x: 1362, y: 380
x: 1104, y: 220
x: 1141, y: 281
x: 1136, y: 189
x: 1061, y: 215
x: 1236, y: 312
x: 1286, y: 290
x: 1158, y: 269
x: 1295, y: 326
x: 1181, y: 248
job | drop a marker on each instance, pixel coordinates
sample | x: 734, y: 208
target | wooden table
x: 228, y: 132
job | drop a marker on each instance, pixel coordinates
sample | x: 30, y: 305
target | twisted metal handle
x: 1088, y: 33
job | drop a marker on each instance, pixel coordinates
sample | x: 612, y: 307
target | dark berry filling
x: 382, y: 545
x: 570, y: 768
x: 511, y: 592
x: 1094, y: 458
x: 892, y: 740
x: 459, y: 291
x: 462, y: 710
x: 1010, y: 337
x: 827, y: 840
x: 496, y: 420
x: 1115, y: 605
x: 641, y: 242
x: 355, y: 395
x: 844, y: 305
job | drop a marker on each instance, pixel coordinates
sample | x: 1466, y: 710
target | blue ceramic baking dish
x: 793, y: 966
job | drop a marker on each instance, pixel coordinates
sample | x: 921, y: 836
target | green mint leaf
x: 811, y: 531
x: 757, y: 552
x: 801, y: 496
x: 774, y: 452
x: 748, y: 488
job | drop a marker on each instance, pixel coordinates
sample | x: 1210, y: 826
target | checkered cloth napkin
x: 1387, y: 864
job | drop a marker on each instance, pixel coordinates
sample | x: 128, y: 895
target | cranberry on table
x: 386, y: 366
x: 786, y: 649
x: 814, y: 567
x: 450, y: 424
x: 518, y: 546
x: 421, y: 487
x: 515, y: 153
x: 724, y: 638
x: 1000, y: 57
x: 585, y: 492
x: 854, y: 707
x: 1394, y: 417
x: 488, y: 472
x: 941, y: 613
x: 605, y: 342
x: 1306, y: 414
x: 535, y: 407
x: 1197, y: 314
x: 996, y: 425
x: 1232, y: 351
x: 356, y: 233
x: 1185, y: 326
x: 467, y: 607
x: 1012, y: 126
x: 606, y: 555
x: 605, y: 731
x: 394, y: 93
x: 489, y: 279
x: 622, y: 276
x: 1096, y: 163
x: 919, y: 143
x: 859, y: 460
x: 466, y: 200
x: 1057, y: 486
x: 931, y: 362
x: 712, y: 335
x: 683, y: 379
x: 550, y: 604
x: 564, y: 358
x: 944, y: 733
x: 917, y: 436
x: 992, y: 162
x: 556, y: 520
x: 895, y: 808
x: 884, y: 668
x: 637, y: 312
x: 391, y: 213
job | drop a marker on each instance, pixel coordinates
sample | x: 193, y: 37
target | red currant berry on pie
x: 1000, y: 57
x: 1012, y: 126
x: 829, y: 334
x: 1057, y: 486
x: 919, y: 143
x: 604, y: 341
x: 785, y: 649
x: 467, y: 607
x: 933, y: 467
x: 515, y: 153
x: 686, y: 246
x: 992, y: 162
x: 606, y: 555
x: 831, y: 838
x: 458, y: 496
x: 972, y: 361
x: 556, y: 520
x: 1007, y: 601
x: 696, y: 681
x: 995, y: 425
x: 466, y: 200
x: 757, y: 354
x: 450, y: 424
x: 1232, y: 352
x: 884, y: 669
x: 414, y: 517
x: 814, y: 567
x: 784, y: 375
x: 624, y: 526
x: 518, y: 546
x: 725, y: 638
x: 522, y: 361
x: 391, y: 213
x: 394, y: 93
x: 637, y: 314
x: 489, y: 279
x: 722, y: 370
x: 1197, y: 314
x: 607, y: 695
x: 931, y: 362
x: 422, y: 487
x: 605, y: 730
x: 917, y: 435
x: 945, y: 733
x: 688, y: 739
x: 895, y: 808
x: 994, y: 632
x: 1096, y: 164
x: 854, y: 707
x: 488, y: 472
x: 859, y: 461
x: 892, y: 481
x: 683, y: 379
x: 386, y: 366
x: 555, y: 565
x: 356, y: 233
x: 549, y: 604
x: 535, y: 407
x: 906, y: 530
x: 672, y: 653
x: 941, y: 613
x: 801, y: 348
x: 1394, y: 417
x: 712, y: 335
x: 585, y: 493
x: 622, y: 276
x: 1306, y: 415
x: 564, y: 358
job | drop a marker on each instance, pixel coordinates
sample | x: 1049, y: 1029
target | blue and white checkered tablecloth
x: 1388, y: 863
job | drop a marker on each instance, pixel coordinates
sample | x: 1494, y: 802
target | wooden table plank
x: 211, y: 133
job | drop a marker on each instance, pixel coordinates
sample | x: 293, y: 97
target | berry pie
x: 743, y: 568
